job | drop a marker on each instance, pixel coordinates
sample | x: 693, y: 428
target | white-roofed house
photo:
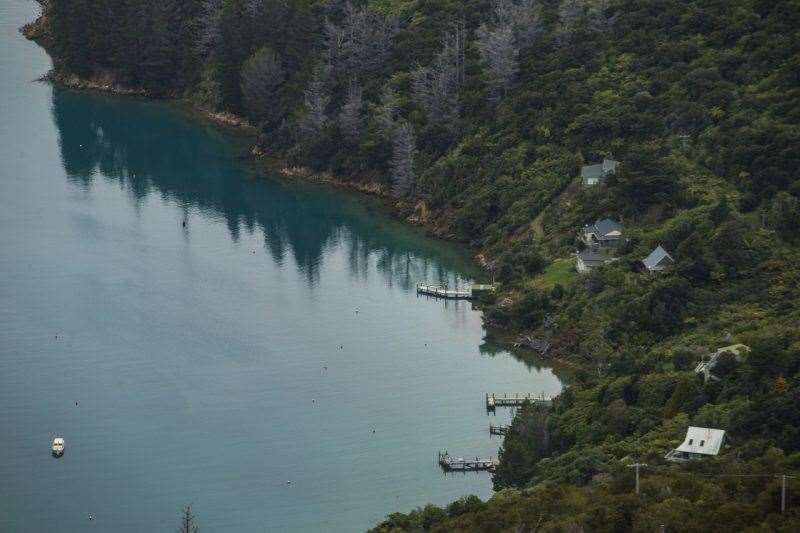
x: 699, y: 443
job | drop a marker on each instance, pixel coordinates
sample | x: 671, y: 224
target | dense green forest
x: 476, y: 116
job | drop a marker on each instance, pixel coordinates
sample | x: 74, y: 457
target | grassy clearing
x: 559, y: 272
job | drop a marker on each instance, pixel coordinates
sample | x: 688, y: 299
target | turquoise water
x: 213, y: 362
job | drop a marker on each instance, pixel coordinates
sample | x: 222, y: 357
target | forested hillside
x: 477, y: 116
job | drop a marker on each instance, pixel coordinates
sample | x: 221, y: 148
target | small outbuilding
x: 596, y: 173
x: 589, y: 259
x: 658, y: 260
x: 603, y: 233
x: 699, y: 443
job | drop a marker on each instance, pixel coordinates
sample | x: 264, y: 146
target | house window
x: 702, y: 442
x: 691, y: 441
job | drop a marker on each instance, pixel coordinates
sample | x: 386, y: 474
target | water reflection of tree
x: 499, y: 343
x: 148, y: 150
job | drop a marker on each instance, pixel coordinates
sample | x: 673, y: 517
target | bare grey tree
x: 361, y: 41
x: 188, y: 524
x: 599, y: 17
x: 570, y: 13
x: 316, y: 100
x: 437, y: 87
x: 351, y: 120
x: 523, y: 16
x: 252, y: 7
x: 262, y: 78
x: 402, y: 163
x: 209, y: 29
x: 386, y: 112
x: 515, y: 25
x: 500, y: 55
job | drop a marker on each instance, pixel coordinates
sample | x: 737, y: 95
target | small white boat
x: 58, y: 447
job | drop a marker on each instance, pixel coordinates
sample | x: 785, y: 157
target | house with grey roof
x: 699, y: 443
x: 594, y: 174
x: 602, y: 233
x: 589, y: 259
x: 658, y: 260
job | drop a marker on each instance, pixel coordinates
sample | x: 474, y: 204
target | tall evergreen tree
x: 262, y: 79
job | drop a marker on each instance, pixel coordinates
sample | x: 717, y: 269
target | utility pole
x: 784, y: 479
x: 637, y: 466
x: 783, y: 493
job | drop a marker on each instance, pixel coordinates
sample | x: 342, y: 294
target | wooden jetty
x: 459, y: 464
x: 516, y: 400
x: 497, y: 430
x: 467, y: 293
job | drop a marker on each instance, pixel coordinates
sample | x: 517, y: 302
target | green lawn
x: 560, y: 272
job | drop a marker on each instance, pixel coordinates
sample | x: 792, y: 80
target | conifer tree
x: 262, y: 79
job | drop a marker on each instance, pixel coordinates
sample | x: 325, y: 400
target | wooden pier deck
x: 442, y: 292
x: 493, y: 401
x: 498, y: 430
x: 467, y: 293
x: 459, y: 464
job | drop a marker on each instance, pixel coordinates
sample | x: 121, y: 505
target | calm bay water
x: 213, y: 362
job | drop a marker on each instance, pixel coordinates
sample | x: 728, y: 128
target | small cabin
x: 594, y: 174
x: 603, y: 233
x: 589, y: 259
x: 699, y: 443
x: 658, y: 260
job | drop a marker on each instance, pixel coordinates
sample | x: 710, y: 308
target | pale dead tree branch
x: 315, y: 104
x: 387, y: 111
x: 351, y: 120
x: 500, y: 55
x: 361, y: 41
x: 437, y: 87
x: 209, y: 29
x: 402, y: 163
x: 570, y: 13
x: 514, y: 25
x: 252, y: 7
x: 523, y: 16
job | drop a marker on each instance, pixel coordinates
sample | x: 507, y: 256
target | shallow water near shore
x: 200, y: 333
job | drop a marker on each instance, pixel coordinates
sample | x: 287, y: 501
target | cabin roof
x: 609, y: 165
x: 605, y: 228
x: 589, y: 256
x: 656, y: 258
x: 704, y: 441
x: 592, y: 171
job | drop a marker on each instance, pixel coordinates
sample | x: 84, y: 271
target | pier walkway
x: 517, y: 400
x: 441, y: 292
x: 459, y: 464
x: 467, y: 293
x: 497, y: 430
